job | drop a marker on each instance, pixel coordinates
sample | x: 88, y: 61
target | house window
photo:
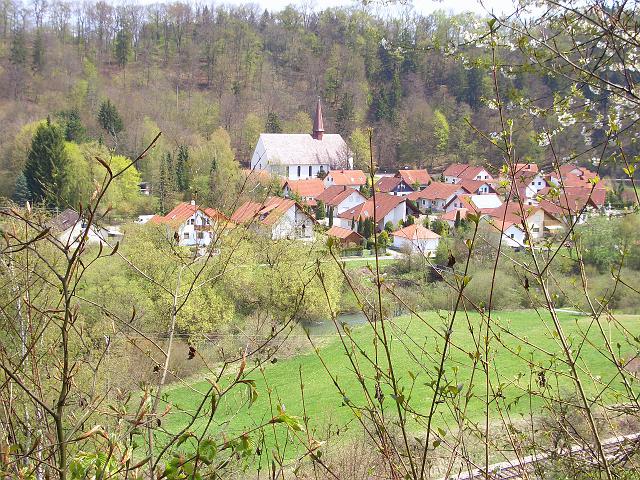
x: 512, y: 236
x: 200, y: 235
x: 535, y: 229
x: 299, y: 170
x: 185, y: 235
x: 539, y: 183
x: 310, y: 171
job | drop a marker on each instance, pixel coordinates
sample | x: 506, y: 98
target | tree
x: 441, y: 131
x: 367, y: 227
x: 122, y: 47
x: 18, y: 54
x: 440, y: 227
x: 45, y: 170
x: 182, y: 169
x: 320, y: 210
x: 37, y: 57
x: 74, y: 131
x: 21, y: 193
x: 109, y: 118
x: 273, y: 124
x: 410, y: 220
x: 166, y: 183
x: 389, y: 226
x: 383, y: 239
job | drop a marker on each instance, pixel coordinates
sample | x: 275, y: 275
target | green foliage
x: 122, y: 46
x: 600, y: 242
x: 410, y: 220
x: 383, y: 239
x: 320, y: 210
x: 389, y: 226
x: 273, y: 124
x: 18, y: 53
x: 109, y: 118
x: 46, y: 166
x: 37, y: 56
x: 440, y: 227
x: 182, y: 169
x: 21, y: 193
x: 74, y: 131
x: 440, y: 131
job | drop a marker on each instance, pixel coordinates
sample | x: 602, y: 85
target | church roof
x: 303, y: 149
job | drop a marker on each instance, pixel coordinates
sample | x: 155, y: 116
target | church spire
x: 318, y: 123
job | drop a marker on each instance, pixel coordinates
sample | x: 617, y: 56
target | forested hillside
x: 212, y: 79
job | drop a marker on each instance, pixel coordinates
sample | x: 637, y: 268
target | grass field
x: 368, y: 261
x: 414, y: 344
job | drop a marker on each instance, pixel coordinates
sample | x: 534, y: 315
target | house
x: 306, y: 190
x: 525, y: 167
x: 539, y: 220
x: 345, y: 178
x: 415, y: 178
x: 279, y: 218
x: 477, y: 187
x: 69, y: 227
x: 512, y: 232
x: 572, y: 206
x: 393, y: 186
x: 191, y: 224
x: 388, y: 208
x: 345, y: 236
x: 416, y: 239
x: 301, y: 155
x: 457, y: 172
x: 435, y: 196
x: 337, y: 199
x: 473, y: 202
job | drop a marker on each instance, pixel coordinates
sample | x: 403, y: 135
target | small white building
x: 69, y: 227
x: 388, y: 208
x: 458, y: 172
x: 416, y: 239
x: 339, y: 199
x: 191, y: 225
x: 278, y: 218
x: 301, y: 155
x: 512, y: 233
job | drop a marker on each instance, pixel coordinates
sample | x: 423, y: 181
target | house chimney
x: 318, y: 123
x: 193, y: 202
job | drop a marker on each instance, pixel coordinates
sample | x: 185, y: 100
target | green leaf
x: 207, y: 451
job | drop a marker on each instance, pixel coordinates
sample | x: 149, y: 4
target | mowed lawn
x: 416, y: 350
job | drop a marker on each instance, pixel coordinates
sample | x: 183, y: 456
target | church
x: 301, y: 155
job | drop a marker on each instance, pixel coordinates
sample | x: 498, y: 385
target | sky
x: 421, y: 6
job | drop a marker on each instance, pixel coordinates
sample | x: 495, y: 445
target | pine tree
x: 109, y: 118
x: 21, y: 193
x: 182, y: 169
x: 45, y: 169
x: 37, y: 56
x: 73, y: 129
x: 164, y: 187
x: 122, y: 47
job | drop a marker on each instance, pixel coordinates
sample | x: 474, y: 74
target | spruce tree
x: 109, y: 118
x: 37, y: 56
x: 182, y: 168
x: 18, y: 54
x: 273, y: 123
x: 46, y: 166
x: 21, y: 194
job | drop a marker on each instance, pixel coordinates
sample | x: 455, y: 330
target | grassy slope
x: 325, y: 405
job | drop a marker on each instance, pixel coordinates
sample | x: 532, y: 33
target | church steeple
x: 318, y: 122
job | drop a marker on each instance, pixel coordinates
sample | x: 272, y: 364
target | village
x: 321, y: 194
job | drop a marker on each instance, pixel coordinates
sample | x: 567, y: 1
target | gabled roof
x: 411, y: 177
x: 437, y: 190
x: 460, y: 170
x: 348, y: 178
x: 525, y: 167
x: 64, y: 220
x: 336, y: 194
x: 342, y: 233
x: 415, y: 232
x: 267, y: 213
x: 383, y: 205
x: 387, y: 184
x: 185, y: 210
x: 472, y: 186
x: 310, y: 187
x: 303, y: 149
x: 451, y: 215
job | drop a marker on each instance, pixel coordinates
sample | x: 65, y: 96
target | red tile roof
x: 183, y: 211
x: 387, y: 184
x: 348, y: 177
x: 411, y: 177
x: 460, y: 170
x: 437, y: 190
x: 472, y: 186
x: 415, y: 232
x: 336, y: 194
x: 383, y: 205
x: 452, y: 214
x: 267, y: 213
x: 310, y: 187
x: 343, y: 233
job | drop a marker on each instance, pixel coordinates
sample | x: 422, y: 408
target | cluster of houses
x: 318, y: 181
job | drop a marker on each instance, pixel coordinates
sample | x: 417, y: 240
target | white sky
x: 422, y: 6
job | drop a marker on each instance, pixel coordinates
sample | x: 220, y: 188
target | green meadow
x: 525, y: 353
